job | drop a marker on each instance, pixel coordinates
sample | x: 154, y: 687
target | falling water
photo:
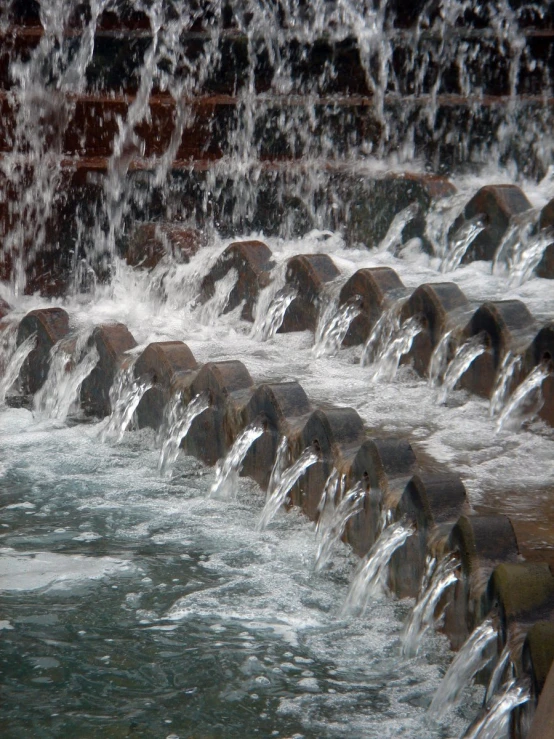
x: 471, y: 658
x: 15, y: 363
x: 460, y: 242
x: 494, y: 723
x: 215, y: 306
x: 526, y: 400
x: 279, y: 466
x: 465, y: 355
x: 400, y: 342
x: 276, y: 310
x: 126, y: 393
x: 497, y: 674
x: 370, y: 577
x: 227, y: 470
x: 289, y: 478
x: 333, y: 327
x: 515, y: 240
x: 66, y: 373
x: 393, y: 237
x: 440, y: 577
x: 332, y: 491
x: 382, y: 333
x: 438, y: 363
x: 331, y: 532
x: 177, y: 421
x: 508, y: 369
x: 527, y: 256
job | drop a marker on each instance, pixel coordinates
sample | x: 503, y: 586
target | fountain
x: 465, y: 354
x: 15, y: 357
x: 228, y: 469
x: 125, y: 395
x: 176, y: 425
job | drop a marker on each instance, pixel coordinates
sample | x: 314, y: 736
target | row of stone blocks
x: 494, y: 578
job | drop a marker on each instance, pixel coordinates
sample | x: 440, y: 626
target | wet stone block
x: 252, y: 261
x: 282, y: 408
x: 336, y: 433
x: 307, y: 274
x: 111, y: 342
x: 151, y: 242
x: 433, y: 503
x: 507, y: 326
x: 440, y: 306
x: 50, y: 326
x: 545, y: 268
x: 497, y: 203
x: 384, y: 466
x: 541, y: 351
x: 481, y: 543
x: 212, y: 433
x: 161, y: 363
x: 377, y: 288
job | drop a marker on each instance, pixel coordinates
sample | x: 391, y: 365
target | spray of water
x: 494, y: 723
x: 177, y: 421
x: 399, y: 343
x: 333, y: 527
x: 13, y: 364
x: 333, y: 326
x: 227, y: 470
x: 465, y: 355
x: 525, y: 402
x: 460, y: 242
x: 508, y: 369
x: 126, y: 393
x: 268, y: 327
x: 393, y: 237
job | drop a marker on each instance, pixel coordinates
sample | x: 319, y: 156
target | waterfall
x: 332, y: 530
x: 215, y: 306
x: 126, y: 393
x: 382, y: 332
x: 17, y: 356
x: 527, y: 256
x: 333, y: 326
x: 471, y: 658
x: 393, y: 237
x: 510, y: 366
x: 460, y: 242
x: 66, y: 373
x: 494, y: 723
x: 273, y: 319
x: 279, y: 466
x: 438, y: 363
x: 525, y: 402
x: 177, y: 421
x: 465, y: 355
x: 289, y: 478
x: 227, y: 470
x: 370, y: 577
x: 327, y: 503
x: 399, y: 343
x: 497, y: 674
x: 440, y: 577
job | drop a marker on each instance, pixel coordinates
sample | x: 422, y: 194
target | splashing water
x: 176, y: 424
x: 332, y: 491
x: 68, y: 368
x: 275, y: 315
x: 227, y: 470
x: 400, y: 342
x: 333, y: 327
x: 494, y: 724
x: 438, y: 363
x: 289, y: 478
x: 381, y: 333
x: 393, y: 237
x: 497, y: 674
x: 15, y: 362
x: 527, y: 257
x: 279, y: 466
x: 514, y: 241
x: 465, y: 355
x: 525, y: 402
x: 460, y: 242
x: 471, y: 658
x: 370, y: 578
x: 126, y: 393
x: 215, y: 306
x: 510, y: 366
x: 332, y: 530
x: 439, y: 578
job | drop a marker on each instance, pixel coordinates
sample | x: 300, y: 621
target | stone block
x: 541, y: 351
x: 283, y: 409
x: 161, y: 363
x: 545, y: 267
x: 252, y: 261
x: 308, y: 274
x: 507, y: 326
x: 151, y: 242
x: 497, y: 204
x: 212, y: 433
x: 111, y: 340
x: 378, y: 288
x: 433, y: 503
x: 440, y: 306
x: 384, y: 466
x: 50, y: 326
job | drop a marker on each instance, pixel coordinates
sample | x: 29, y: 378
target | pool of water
x: 136, y: 606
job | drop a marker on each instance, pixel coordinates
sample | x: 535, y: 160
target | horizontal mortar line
x: 444, y: 99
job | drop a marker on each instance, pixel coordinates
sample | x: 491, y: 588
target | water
x: 460, y: 242
x: 227, y: 470
x: 399, y: 343
x: 471, y: 658
x: 333, y: 327
x: 528, y: 256
x: 126, y: 393
x: 497, y: 674
x: 438, y: 364
x: 465, y: 355
x: 495, y: 722
x: 332, y: 492
x: 273, y: 319
x: 69, y: 366
x: 17, y: 356
x: 215, y: 306
x: 526, y: 400
x: 276, y: 499
x: 393, y: 238
x: 282, y: 459
x: 333, y: 528
x: 370, y: 578
x: 509, y: 367
x: 440, y: 578
x: 177, y: 421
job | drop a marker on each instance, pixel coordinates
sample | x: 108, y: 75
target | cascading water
x: 527, y: 257
x: 333, y: 490
x: 471, y: 658
x: 333, y: 326
x: 393, y: 237
x: 460, y: 242
x: 228, y: 469
x: 385, y: 364
x: 462, y: 359
x: 13, y: 364
x: 177, y: 421
x: 276, y: 310
x: 497, y: 674
x: 494, y: 723
x: 508, y: 369
x: 289, y: 477
x: 126, y: 393
x: 215, y: 306
x: 440, y: 358
x: 370, y: 577
x: 526, y: 400
x: 440, y: 577
x: 333, y: 529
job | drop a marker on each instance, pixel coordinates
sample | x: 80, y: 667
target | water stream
x: 17, y: 356
x: 526, y: 400
x: 460, y: 242
x: 228, y: 469
x: 126, y: 393
x: 333, y: 527
x: 495, y: 722
x: 465, y: 355
x: 177, y: 421
x: 333, y: 327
